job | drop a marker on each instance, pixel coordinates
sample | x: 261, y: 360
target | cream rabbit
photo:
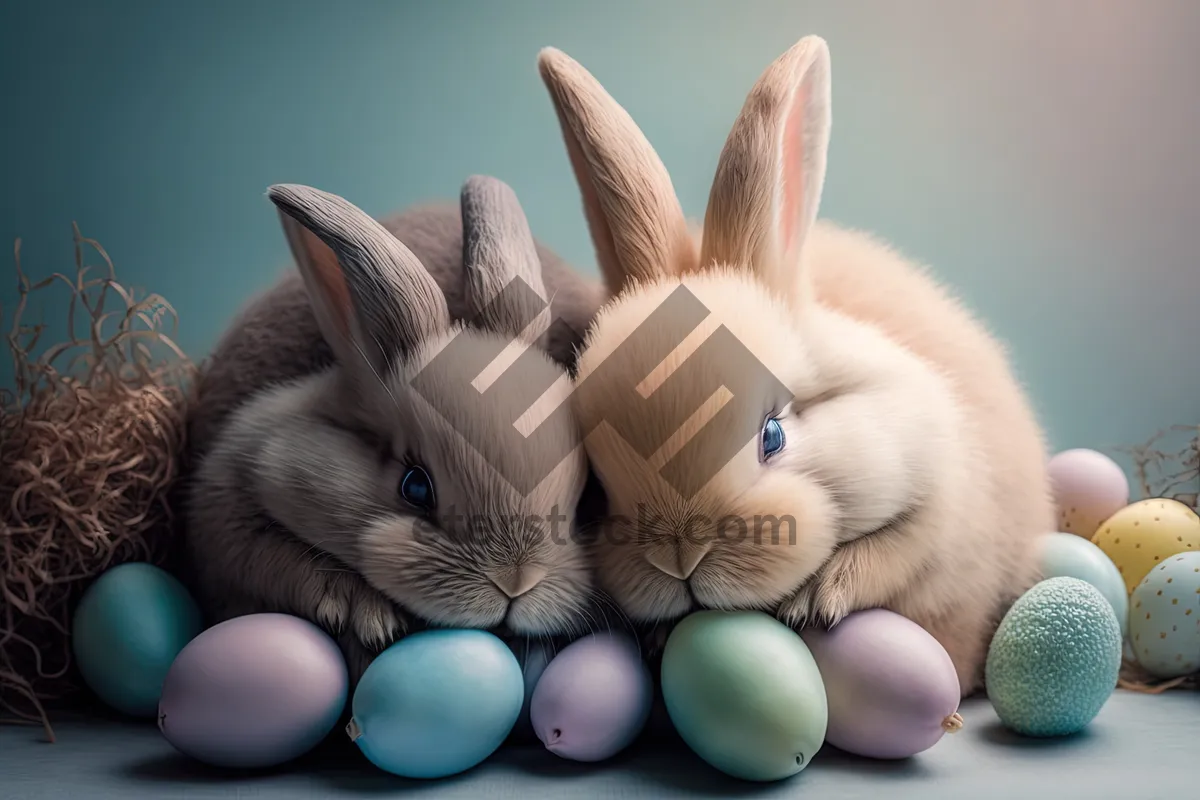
x: 886, y: 434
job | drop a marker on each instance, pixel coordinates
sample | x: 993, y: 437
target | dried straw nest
x: 89, y: 442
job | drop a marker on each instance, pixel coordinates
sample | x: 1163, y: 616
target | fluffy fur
x: 308, y: 419
x: 914, y: 467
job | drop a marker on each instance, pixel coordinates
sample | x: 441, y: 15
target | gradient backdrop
x: 1041, y: 156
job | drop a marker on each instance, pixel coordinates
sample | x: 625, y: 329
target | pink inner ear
x: 328, y: 272
x: 793, y: 169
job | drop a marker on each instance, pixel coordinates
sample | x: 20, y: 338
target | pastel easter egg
x: 129, y: 626
x: 1088, y: 487
x: 1054, y: 660
x: 254, y: 691
x: 1164, y: 618
x: 533, y: 655
x: 593, y: 698
x: 744, y: 692
x: 1144, y: 534
x: 1066, y: 555
x: 437, y: 703
x: 892, y: 688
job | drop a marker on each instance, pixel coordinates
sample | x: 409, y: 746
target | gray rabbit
x: 340, y: 466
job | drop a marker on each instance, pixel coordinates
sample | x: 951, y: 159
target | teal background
x: 1040, y: 156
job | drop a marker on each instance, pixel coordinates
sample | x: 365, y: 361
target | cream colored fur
x: 914, y: 467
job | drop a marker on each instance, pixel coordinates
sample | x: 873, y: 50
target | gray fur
x: 275, y: 337
x: 295, y: 460
x: 498, y: 249
x: 395, y: 300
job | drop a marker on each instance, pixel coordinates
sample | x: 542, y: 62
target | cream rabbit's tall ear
x: 635, y: 219
x: 372, y: 297
x: 769, y: 178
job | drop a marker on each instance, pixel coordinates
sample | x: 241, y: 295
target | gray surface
x: 1139, y: 748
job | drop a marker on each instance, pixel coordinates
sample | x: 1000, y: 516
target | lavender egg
x: 593, y: 698
x: 254, y: 691
x: 533, y: 655
x: 892, y: 688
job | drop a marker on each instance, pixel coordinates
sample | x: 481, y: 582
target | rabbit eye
x: 416, y: 487
x: 772, y: 438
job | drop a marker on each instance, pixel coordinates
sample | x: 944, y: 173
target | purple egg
x: 253, y: 691
x: 533, y: 655
x: 593, y: 698
x: 892, y: 688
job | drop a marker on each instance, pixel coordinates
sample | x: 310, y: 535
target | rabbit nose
x: 679, y: 558
x: 517, y: 582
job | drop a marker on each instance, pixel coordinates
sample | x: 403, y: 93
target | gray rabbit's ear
x: 503, y: 272
x: 373, y: 298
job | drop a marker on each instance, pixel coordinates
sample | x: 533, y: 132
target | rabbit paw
x: 332, y: 602
x: 375, y: 620
x: 348, y: 603
x: 824, y: 600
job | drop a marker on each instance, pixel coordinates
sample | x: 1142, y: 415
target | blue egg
x: 437, y: 703
x: 1065, y: 555
x: 127, y: 629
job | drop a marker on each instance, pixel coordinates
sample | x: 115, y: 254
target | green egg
x: 127, y: 629
x: 1054, y: 660
x: 744, y: 693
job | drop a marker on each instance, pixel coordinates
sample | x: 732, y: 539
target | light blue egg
x: 1164, y: 625
x: 129, y: 626
x: 1054, y: 660
x: 437, y: 703
x: 1065, y: 555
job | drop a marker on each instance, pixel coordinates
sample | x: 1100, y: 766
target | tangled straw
x: 89, y: 453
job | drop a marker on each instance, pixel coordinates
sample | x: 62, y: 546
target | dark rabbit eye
x: 416, y: 487
x: 772, y: 438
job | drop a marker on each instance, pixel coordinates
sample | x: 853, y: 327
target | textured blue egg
x: 129, y: 626
x: 1054, y: 660
x: 437, y: 703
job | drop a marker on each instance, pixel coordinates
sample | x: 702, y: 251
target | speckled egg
x: 1054, y: 659
x: 1064, y: 555
x: 1142, y: 535
x: 1164, y: 620
x: 1089, y: 487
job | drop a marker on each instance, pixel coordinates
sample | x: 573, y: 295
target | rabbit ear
x: 636, y: 222
x: 373, y: 298
x: 771, y: 172
x: 503, y: 272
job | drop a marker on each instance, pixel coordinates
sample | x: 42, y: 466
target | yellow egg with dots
x: 1144, y: 534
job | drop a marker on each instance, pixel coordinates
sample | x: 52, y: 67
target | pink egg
x: 1089, y: 487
